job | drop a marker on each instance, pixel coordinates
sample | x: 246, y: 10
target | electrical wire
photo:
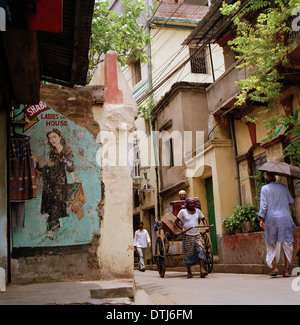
x: 214, y: 34
x: 170, y: 17
x: 166, y: 42
x: 192, y: 14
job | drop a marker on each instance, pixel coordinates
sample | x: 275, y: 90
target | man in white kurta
x: 141, y: 242
x: 277, y: 223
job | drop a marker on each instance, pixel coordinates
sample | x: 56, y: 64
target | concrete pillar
x: 116, y: 121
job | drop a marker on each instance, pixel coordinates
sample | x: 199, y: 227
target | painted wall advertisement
x: 67, y: 179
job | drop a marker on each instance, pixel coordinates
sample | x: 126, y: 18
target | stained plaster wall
x: 184, y: 108
x: 95, y: 242
x: 116, y: 117
x: 71, y: 254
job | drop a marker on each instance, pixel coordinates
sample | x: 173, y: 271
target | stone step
x: 113, y: 291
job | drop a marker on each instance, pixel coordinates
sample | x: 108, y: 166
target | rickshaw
x: 170, y: 231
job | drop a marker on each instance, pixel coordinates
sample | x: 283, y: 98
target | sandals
x: 203, y: 274
x: 276, y: 273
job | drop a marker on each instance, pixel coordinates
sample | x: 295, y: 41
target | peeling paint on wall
x: 68, y: 181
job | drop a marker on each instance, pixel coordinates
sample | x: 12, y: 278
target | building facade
x: 232, y: 150
x: 168, y: 26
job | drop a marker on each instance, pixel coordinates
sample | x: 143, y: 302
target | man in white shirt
x: 141, y: 242
x: 192, y: 244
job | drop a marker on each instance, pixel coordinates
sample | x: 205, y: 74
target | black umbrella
x: 280, y: 168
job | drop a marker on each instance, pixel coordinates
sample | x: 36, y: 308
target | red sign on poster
x: 33, y: 110
x: 46, y: 15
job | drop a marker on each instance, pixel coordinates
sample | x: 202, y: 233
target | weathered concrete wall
x: 95, y: 239
x: 246, y: 253
x: 183, y: 108
x: 224, y: 89
x: 75, y: 193
x: 116, y: 121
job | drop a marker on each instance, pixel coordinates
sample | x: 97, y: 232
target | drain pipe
x: 149, y: 66
x: 155, y: 145
x: 237, y: 172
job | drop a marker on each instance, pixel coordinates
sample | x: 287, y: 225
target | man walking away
x: 277, y: 223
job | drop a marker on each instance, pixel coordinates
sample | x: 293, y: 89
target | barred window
x: 137, y: 70
x: 170, y: 152
x: 198, y: 60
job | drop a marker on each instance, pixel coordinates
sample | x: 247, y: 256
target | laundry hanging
x: 22, y: 179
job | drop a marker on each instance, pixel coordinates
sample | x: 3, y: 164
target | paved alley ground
x: 219, y: 289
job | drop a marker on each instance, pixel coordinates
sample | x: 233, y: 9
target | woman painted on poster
x: 54, y: 171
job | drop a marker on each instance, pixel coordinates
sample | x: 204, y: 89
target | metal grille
x: 198, y: 60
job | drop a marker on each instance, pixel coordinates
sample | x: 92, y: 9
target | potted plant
x: 243, y: 217
x: 232, y: 224
x: 251, y: 220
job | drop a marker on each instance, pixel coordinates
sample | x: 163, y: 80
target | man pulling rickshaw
x: 193, y: 245
x: 182, y: 224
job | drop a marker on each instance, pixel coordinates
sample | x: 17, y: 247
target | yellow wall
x: 164, y: 48
x: 167, y: 53
x: 241, y: 129
x: 219, y: 164
x: 273, y: 151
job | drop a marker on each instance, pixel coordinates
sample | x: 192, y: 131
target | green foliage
x: 291, y: 125
x: 259, y: 182
x: 240, y: 215
x: 146, y: 109
x: 262, y: 45
x: 292, y: 152
x: 118, y: 32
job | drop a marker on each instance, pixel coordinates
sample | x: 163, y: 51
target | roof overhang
x: 213, y: 25
x: 29, y: 56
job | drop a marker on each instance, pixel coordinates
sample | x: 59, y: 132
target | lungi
x: 275, y: 251
x: 193, y: 249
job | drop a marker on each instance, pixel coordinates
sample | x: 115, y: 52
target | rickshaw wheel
x: 160, y: 255
x: 209, y: 261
